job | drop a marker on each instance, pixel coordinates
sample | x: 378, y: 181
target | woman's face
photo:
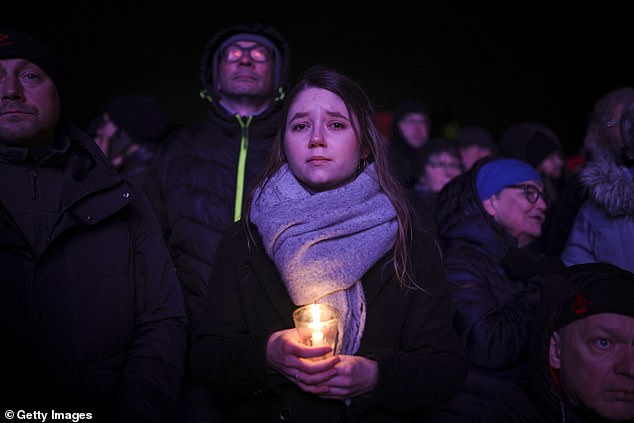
x: 513, y: 210
x: 320, y: 142
x: 439, y: 170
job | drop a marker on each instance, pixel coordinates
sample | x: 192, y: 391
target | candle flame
x: 316, y: 313
x: 317, y: 337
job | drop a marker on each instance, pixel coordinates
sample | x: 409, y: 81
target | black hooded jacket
x: 407, y: 161
x: 196, y: 168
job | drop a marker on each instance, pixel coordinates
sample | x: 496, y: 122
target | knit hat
x: 498, y: 174
x: 475, y: 135
x: 256, y: 38
x: 538, y: 147
x: 604, y: 288
x: 15, y: 44
x: 138, y: 115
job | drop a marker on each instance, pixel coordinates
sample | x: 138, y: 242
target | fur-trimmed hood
x: 610, y: 187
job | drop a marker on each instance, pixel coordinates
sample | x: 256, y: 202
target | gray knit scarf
x: 323, y: 243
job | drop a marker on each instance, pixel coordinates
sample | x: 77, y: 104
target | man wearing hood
x: 203, y: 171
x: 603, y: 230
x: 581, y: 351
x: 410, y: 131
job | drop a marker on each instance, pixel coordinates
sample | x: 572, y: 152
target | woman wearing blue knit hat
x: 486, y: 216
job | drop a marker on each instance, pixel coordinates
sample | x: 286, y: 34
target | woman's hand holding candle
x: 296, y: 361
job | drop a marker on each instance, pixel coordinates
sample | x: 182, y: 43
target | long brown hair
x: 359, y: 106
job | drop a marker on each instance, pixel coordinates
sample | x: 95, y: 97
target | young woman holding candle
x: 328, y: 223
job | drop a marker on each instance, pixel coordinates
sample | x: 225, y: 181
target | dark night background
x: 487, y: 67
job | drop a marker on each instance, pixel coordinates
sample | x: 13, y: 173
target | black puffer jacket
x: 91, y: 313
x: 493, y: 309
x: 196, y: 169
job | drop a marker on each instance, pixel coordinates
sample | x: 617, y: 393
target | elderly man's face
x: 595, y: 359
x: 29, y: 104
x: 514, y: 209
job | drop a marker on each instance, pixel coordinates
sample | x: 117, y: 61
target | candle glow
x: 317, y: 326
x: 317, y: 336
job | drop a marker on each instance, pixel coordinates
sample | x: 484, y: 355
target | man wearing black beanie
x: 582, y: 356
x: 91, y: 311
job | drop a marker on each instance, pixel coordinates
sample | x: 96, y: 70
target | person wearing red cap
x: 582, y: 351
x: 91, y: 310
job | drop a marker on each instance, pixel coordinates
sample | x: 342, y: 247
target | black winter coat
x: 91, y: 313
x: 540, y: 399
x: 493, y: 309
x: 195, y: 174
x: 407, y: 332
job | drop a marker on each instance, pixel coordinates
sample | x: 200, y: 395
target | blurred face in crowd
x: 415, y: 129
x: 595, y: 359
x: 246, y: 69
x: 520, y: 209
x: 470, y: 154
x: 29, y: 104
x: 439, y: 169
x: 107, y: 128
x: 552, y: 165
x: 320, y: 141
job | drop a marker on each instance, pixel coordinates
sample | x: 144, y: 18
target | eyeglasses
x: 258, y: 53
x: 531, y: 193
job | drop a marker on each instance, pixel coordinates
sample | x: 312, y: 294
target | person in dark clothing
x: 328, y: 223
x: 411, y: 129
x: 602, y: 136
x: 581, y: 352
x: 474, y: 143
x: 128, y: 131
x: 203, y: 170
x: 91, y: 312
x: 486, y: 216
x: 441, y: 162
x: 603, y: 229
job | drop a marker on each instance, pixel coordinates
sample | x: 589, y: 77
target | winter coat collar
x: 461, y: 217
x: 92, y: 189
x: 610, y: 186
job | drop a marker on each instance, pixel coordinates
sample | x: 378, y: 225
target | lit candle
x: 317, y: 337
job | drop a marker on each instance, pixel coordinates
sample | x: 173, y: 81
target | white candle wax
x: 317, y: 338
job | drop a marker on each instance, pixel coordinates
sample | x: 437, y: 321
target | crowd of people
x: 150, y: 274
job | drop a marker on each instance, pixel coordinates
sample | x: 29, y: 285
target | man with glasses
x: 440, y: 164
x: 484, y: 217
x: 203, y: 171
